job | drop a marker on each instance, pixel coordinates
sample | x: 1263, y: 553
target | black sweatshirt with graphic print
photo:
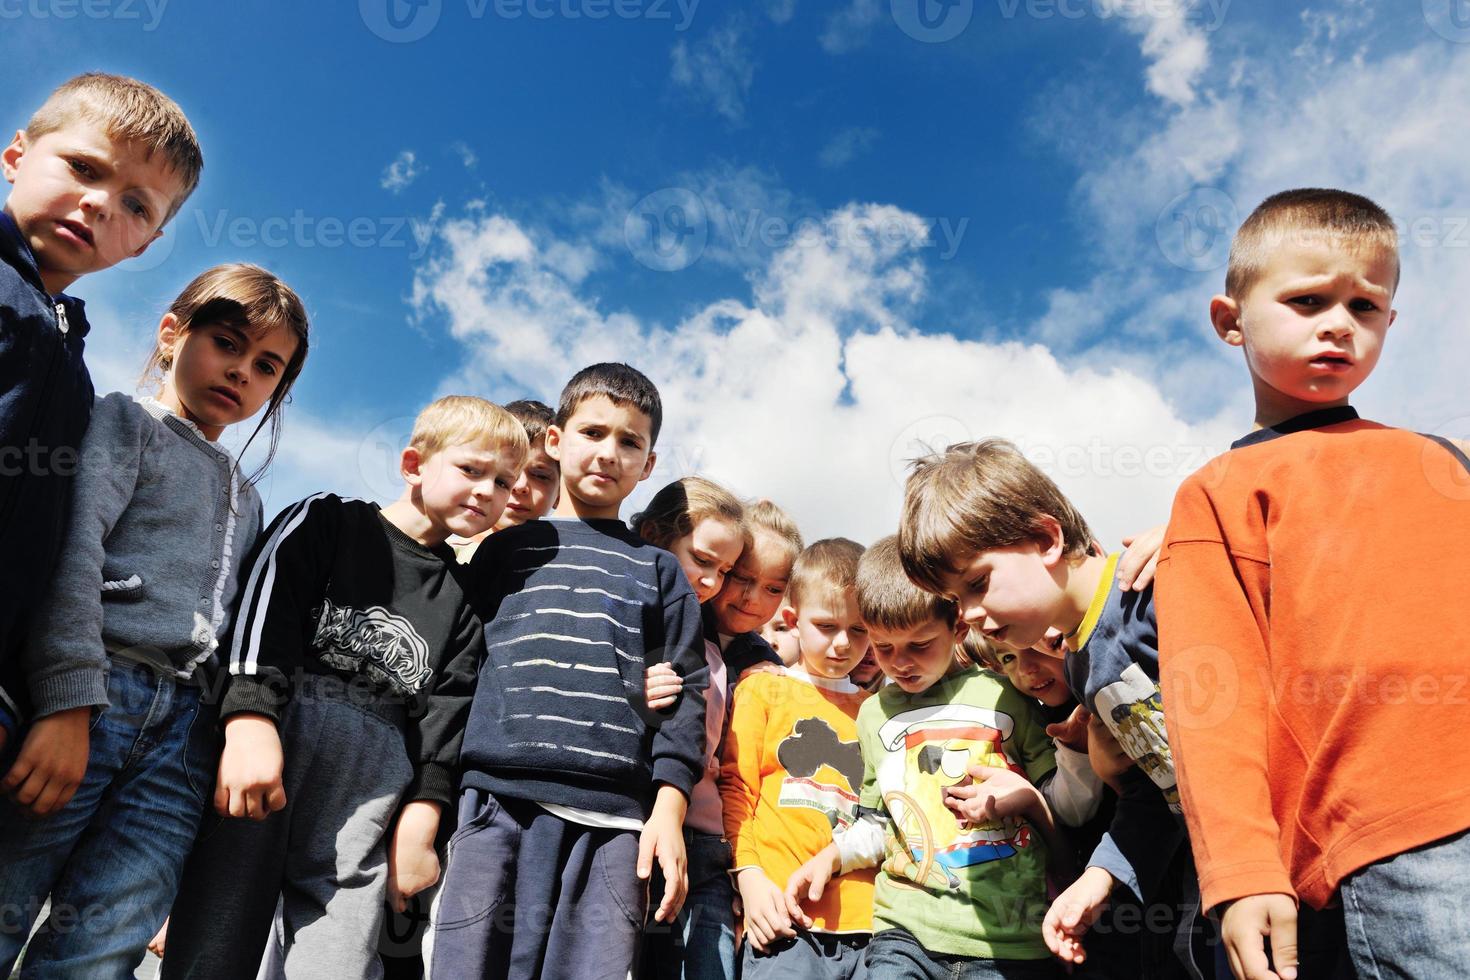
x: 335, y: 589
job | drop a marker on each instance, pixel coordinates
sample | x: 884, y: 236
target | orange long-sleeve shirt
x: 1315, y: 653
x: 791, y: 770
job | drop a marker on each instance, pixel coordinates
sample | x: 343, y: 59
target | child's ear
x: 10, y: 156
x: 168, y: 332
x: 788, y: 616
x: 648, y: 466
x: 410, y: 466
x: 144, y: 247
x: 960, y: 629
x: 553, y: 447
x: 1225, y: 317
x: 1050, y: 540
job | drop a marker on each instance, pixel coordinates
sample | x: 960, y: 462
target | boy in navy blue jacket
x: 96, y: 173
x: 571, y: 787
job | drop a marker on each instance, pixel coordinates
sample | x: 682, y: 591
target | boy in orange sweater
x: 791, y: 774
x: 1314, y: 647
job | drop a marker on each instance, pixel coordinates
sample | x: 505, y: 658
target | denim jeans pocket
x: 201, y: 751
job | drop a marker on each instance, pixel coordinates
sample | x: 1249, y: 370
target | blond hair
x: 978, y: 496
x: 677, y: 508
x: 254, y: 301
x: 886, y: 597
x: 129, y: 111
x: 1358, y: 222
x: 825, y: 569
x: 464, y: 420
x: 764, y: 515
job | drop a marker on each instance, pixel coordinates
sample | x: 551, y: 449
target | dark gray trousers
x: 324, y: 856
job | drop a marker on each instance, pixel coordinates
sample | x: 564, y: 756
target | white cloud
x: 781, y: 11
x: 822, y: 338
x: 849, y: 27
x: 812, y: 386
x: 1325, y: 28
x: 717, y: 69
x: 467, y: 156
x: 1173, y: 44
x: 404, y: 170
x: 843, y: 148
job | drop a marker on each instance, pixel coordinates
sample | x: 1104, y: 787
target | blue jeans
x: 1406, y: 914
x: 111, y: 859
x: 894, y: 954
x: 707, y: 922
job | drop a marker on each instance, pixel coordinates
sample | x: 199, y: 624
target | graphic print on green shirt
x: 961, y: 889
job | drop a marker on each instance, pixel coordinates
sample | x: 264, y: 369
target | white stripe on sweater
x: 252, y: 601
x: 585, y: 591
x: 588, y: 547
x: 587, y: 568
x: 544, y: 689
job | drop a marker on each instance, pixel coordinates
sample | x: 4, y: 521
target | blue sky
x: 826, y: 229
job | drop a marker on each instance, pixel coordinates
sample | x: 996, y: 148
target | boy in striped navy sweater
x: 571, y: 787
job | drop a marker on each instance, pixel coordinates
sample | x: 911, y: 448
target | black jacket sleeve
x: 434, y: 739
x: 286, y: 579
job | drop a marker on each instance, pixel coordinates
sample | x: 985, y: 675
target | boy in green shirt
x: 949, y: 809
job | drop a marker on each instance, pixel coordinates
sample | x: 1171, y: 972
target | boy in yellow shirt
x: 790, y: 775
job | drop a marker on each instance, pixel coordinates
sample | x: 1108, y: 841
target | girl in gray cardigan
x: 106, y: 793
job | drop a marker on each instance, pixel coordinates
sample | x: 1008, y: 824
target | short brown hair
x: 461, y: 420
x: 825, y: 568
x: 1306, y: 211
x: 674, y: 510
x: 535, y: 416
x: 766, y: 516
x: 620, y: 384
x: 886, y: 597
x: 130, y: 111
x: 978, y: 496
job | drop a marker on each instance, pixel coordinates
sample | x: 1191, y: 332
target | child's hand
x: 1244, y: 927
x: 664, y: 685
x: 413, y: 864
x: 763, y: 667
x: 1073, y: 732
x: 1137, y: 566
x: 1073, y: 912
x: 662, y: 840
x: 249, y: 783
x: 999, y: 794
x: 412, y: 867
x: 51, y: 763
x: 808, y: 882
x: 156, y: 944
x: 766, y: 916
